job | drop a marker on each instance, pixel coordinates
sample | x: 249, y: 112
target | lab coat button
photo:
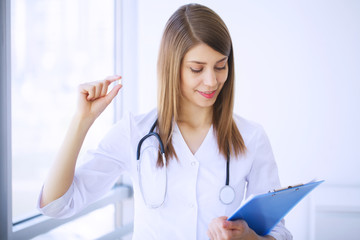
x: 193, y: 163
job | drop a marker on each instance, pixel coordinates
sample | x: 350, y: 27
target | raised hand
x: 94, y: 97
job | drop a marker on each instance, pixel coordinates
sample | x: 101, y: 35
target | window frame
x: 5, y: 121
x: 125, y: 18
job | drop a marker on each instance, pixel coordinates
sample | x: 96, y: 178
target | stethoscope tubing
x: 226, y: 194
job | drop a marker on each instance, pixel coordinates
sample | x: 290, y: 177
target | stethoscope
x: 226, y: 193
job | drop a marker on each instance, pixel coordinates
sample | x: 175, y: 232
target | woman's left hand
x: 221, y: 229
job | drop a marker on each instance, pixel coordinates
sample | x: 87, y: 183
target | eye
x: 220, y: 68
x: 194, y: 70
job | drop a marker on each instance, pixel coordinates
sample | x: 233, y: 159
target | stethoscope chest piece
x: 227, y: 195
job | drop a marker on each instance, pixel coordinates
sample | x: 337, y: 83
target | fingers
x: 98, y: 89
x: 216, y: 230
x: 108, y: 81
x: 220, y: 228
x: 111, y: 95
x: 239, y: 225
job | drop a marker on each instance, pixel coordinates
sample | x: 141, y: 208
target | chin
x: 207, y: 103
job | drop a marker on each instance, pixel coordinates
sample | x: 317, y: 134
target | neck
x: 195, y: 117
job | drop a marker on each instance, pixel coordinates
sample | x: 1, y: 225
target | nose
x: 210, y: 78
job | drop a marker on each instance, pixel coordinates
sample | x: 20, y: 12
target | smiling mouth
x: 207, y: 94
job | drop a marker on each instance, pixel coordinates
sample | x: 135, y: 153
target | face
x: 203, y: 74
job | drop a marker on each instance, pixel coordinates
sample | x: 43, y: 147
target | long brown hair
x: 190, y: 25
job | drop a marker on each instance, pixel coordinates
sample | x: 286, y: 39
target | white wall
x: 298, y: 74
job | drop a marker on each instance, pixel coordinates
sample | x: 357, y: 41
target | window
x: 55, y: 46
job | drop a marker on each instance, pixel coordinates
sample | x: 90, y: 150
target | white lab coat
x: 193, y: 182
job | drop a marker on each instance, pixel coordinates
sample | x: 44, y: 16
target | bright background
x: 56, y: 45
x: 297, y: 74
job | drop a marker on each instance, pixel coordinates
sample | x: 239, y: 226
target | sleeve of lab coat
x: 263, y: 176
x: 97, y: 175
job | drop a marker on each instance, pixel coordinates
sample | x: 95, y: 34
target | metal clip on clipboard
x: 293, y: 186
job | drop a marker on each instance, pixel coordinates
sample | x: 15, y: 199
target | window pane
x: 98, y: 223
x: 55, y: 46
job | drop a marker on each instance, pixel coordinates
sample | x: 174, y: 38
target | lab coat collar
x: 182, y: 148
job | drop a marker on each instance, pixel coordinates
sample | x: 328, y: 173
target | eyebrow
x: 198, y: 62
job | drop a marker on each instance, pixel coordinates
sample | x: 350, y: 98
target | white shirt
x: 194, y: 181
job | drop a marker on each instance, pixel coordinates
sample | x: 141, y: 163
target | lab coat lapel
x: 206, y: 145
x: 182, y: 148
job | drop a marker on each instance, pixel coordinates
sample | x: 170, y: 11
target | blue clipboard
x: 264, y: 211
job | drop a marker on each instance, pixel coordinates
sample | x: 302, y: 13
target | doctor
x: 209, y: 158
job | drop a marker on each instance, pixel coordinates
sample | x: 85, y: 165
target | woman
x: 200, y: 138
